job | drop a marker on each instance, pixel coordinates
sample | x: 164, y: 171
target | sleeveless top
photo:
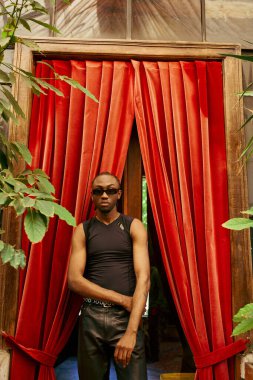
x: 110, y: 254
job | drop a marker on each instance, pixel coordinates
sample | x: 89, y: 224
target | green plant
x: 28, y: 192
x: 244, y: 318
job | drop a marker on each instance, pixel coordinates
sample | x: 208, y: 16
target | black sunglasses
x: 102, y: 191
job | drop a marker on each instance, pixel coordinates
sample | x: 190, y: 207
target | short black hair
x: 106, y: 173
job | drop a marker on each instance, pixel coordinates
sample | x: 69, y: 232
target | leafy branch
x: 29, y: 192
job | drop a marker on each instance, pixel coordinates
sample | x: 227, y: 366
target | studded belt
x: 98, y: 302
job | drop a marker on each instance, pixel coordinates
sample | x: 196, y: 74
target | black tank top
x: 110, y: 254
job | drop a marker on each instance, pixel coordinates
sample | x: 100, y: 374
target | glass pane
x: 92, y: 18
x: 229, y: 21
x: 166, y: 20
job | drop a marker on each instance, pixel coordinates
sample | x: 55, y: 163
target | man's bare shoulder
x: 79, y: 233
x: 137, y: 227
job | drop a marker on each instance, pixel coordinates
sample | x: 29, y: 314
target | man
x: 109, y: 267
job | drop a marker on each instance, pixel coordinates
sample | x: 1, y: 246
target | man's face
x: 105, y: 202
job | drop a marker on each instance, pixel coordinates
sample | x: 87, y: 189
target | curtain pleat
x: 72, y: 138
x: 180, y: 122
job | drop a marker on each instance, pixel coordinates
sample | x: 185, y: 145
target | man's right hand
x: 127, y: 303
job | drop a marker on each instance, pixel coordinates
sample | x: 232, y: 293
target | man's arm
x: 78, y: 284
x: 126, y: 344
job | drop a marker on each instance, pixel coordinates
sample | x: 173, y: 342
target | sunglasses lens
x: 111, y: 191
x: 99, y: 192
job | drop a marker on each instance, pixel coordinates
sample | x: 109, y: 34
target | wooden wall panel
x: 92, y: 18
x: 170, y: 20
x: 229, y: 21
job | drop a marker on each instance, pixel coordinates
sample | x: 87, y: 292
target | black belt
x: 98, y: 302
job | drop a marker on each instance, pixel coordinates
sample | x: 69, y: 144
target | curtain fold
x: 72, y: 138
x: 180, y: 122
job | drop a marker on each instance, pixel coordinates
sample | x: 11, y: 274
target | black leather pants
x: 100, y: 329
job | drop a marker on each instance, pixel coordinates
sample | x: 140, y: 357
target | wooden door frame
x: 59, y: 48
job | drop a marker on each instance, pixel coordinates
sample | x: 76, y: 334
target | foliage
x: 238, y: 224
x: 29, y: 192
x: 244, y: 318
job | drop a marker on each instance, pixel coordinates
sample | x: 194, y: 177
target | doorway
x: 167, y: 350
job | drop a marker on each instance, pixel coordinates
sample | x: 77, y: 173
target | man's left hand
x: 124, y: 348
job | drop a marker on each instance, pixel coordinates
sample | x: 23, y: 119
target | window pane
x: 229, y: 21
x: 166, y: 20
x: 92, y: 18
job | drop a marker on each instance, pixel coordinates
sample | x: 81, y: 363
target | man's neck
x: 107, y: 218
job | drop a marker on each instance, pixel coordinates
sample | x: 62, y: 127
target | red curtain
x: 179, y: 114
x: 72, y: 138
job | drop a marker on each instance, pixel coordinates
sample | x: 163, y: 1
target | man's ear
x: 119, y: 194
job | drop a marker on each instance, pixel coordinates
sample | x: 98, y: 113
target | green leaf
x: 50, y: 86
x: 76, y: 84
x: 35, y: 225
x: 44, y: 24
x: 28, y: 202
x: 245, y: 312
x: 4, y: 76
x: 248, y: 212
x: 46, y: 64
x: 23, y: 151
x: 45, y: 185
x: 38, y: 7
x: 246, y: 149
x: 18, y: 206
x: 1, y: 245
x: 19, y: 186
x: 38, y: 194
x: 238, y: 224
x: 242, y: 327
x: 40, y: 172
x: 18, y: 259
x: 12, y: 78
x: 246, y: 122
x: 3, y: 198
x: 45, y: 207
x: 35, y: 87
x: 7, y: 114
x: 31, y: 180
x: 29, y: 43
x: 13, y: 102
x: 7, y: 253
x: 25, y: 24
x: 3, y: 160
x: 64, y: 214
x: 243, y: 57
x: 246, y: 93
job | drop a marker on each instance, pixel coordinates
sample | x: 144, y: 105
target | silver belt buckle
x: 106, y: 304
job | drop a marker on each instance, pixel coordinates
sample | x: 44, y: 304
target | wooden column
x: 9, y: 277
x: 132, y: 184
x: 241, y: 260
